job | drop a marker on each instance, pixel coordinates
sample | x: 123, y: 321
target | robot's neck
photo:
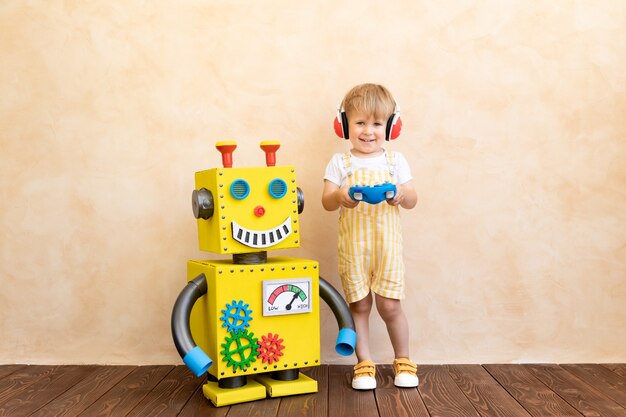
x: 252, y: 258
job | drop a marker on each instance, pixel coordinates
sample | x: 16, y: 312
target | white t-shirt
x: 337, y: 174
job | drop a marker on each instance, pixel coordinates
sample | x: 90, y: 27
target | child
x: 370, y: 242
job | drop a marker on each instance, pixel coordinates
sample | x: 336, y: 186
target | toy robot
x: 257, y: 318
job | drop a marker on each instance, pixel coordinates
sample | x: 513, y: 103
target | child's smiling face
x: 367, y: 134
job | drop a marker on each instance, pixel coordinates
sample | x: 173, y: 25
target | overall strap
x: 391, y: 163
x: 347, y: 163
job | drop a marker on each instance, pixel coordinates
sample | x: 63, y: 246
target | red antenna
x: 227, y: 148
x: 270, y: 147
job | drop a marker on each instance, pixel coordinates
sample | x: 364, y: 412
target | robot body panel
x: 236, y: 312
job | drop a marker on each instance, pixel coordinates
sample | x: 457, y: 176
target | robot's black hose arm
x: 346, y: 340
x: 192, y: 355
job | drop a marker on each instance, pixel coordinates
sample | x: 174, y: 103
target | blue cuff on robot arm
x: 346, y: 341
x: 197, y: 361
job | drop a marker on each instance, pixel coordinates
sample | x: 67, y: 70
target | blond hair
x: 370, y: 99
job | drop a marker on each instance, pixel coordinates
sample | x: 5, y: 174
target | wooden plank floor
x: 591, y: 390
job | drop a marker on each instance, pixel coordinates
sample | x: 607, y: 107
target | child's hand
x: 397, y: 199
x: 343, y: 194
x: 405, y: 197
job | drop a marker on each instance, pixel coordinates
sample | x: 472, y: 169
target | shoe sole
x: 407, y: 383
x: 364, y: 385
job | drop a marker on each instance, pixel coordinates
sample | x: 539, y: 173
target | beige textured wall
x: 514, y: 124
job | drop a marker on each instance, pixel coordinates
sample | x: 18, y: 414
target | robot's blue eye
x: 278, y: 188
x: 240, y: 189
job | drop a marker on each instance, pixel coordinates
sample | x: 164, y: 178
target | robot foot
x: 226, y: 396
x: 277, y: 388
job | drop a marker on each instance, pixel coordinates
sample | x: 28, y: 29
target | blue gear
x: 236, y: 316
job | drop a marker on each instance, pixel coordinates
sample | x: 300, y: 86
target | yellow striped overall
x: 370, y: 240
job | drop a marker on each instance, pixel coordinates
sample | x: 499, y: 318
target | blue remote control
x: 373, y: 194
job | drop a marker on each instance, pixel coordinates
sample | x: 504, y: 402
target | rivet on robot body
x: 260, y: 323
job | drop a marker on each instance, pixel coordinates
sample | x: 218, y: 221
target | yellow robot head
x: 245, y: 210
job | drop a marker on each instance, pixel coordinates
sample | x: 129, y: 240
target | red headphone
x: 392, y: 130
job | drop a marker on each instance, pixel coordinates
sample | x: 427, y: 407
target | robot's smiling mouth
x: 262, y: 238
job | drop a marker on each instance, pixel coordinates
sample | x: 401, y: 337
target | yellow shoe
x: 406, y: 373
x: 364, y: 376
